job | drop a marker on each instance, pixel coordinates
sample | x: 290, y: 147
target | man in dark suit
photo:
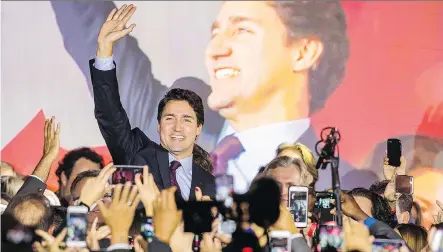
x: 180, y: 116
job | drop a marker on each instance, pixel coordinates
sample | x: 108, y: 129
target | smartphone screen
x: 280, y: 242
x: 394, y: 152
x: 329, y: 236
x: 77, y: 226
x: 298, y: 205
x: 323, y: 207
x: 381, y: 245
x: 125, y: 173
x: 404, y: 184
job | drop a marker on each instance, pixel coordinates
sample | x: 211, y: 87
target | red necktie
x: 174, y: 166
x: 228, y: 148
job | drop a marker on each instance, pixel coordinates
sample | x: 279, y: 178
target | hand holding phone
x: 298, y: 205
x: 323, y: 207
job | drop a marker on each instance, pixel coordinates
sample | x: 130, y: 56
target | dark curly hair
x: 379, y: 187
x: 380, y: 207
x: 178, y: 94
x: 67, y: 164
x: 326, y: 21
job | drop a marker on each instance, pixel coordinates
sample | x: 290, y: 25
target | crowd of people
x: 146, y: 212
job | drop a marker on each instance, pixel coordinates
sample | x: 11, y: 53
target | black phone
x: 394, y: 152
x: 197, y: 216
x: 323, y: 206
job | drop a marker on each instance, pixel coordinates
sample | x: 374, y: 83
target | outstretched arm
x: 79, y: 24
x: 123, y: 143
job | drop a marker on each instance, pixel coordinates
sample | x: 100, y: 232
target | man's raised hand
x: 114, y: 29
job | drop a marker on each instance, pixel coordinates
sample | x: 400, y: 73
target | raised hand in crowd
x: 140, y: 244
x: 350, y: 208
x: 54, y: 244
x: 210, y: 243
x: 96, y: 188
x: 95, y: 235
x: 120, y: 214
x: 51, y: 148
x: 389, y: 171
x: 147, y: 190
x: 166, y: 215
x: 114, y: 29
x: 356, y: 237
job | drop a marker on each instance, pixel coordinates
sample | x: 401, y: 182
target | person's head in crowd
x: 301, y: 151
x: 416, y: 213
x: 11, y: 185
x: 273, y: 61
x: 438, y: 225
x: 6, y: 169
x: 428, y: 188
x: 379, y: 187
x: 374, y: 205
x: 403, y: 208
x: 287, y: 172
x: 414, y: 235
x: 32, y: 210
x: 76, y: 189
x: 180, y: 117
x: 73, y: 163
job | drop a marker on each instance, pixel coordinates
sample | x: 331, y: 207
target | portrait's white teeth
x: 178, y: 137
x: 226, y: 73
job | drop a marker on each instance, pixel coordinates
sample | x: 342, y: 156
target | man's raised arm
x: 123, y: 143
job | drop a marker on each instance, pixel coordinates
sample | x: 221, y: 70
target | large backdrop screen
x: 379, y: 76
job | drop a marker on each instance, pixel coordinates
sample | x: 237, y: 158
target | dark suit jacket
x: 31, y: 185
x: 132, y: 146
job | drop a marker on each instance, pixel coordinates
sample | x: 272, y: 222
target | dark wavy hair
x: 68, y: 162
x: 326, y: 21
x: 178, y: 94
x: 380, y: 206
x: 379, y: 187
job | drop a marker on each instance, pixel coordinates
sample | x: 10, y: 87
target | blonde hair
x: 286, y: 162
x: 11, y: 185
x: 307, y: 157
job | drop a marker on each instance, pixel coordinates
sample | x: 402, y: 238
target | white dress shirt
x: 260, y: 146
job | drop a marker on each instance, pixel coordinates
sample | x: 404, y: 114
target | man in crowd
x: 73, y: 163
x: 180, y: 117
x: 403, y: 209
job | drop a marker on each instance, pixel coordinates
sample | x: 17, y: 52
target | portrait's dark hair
x: 202, y: 158
x: 379, y: 187
x: 178, y: 94
x: 326, y: 21
x: 68, y: 162
x: 415, y: 236
x: 418, y: 210
x: 82, y: 175
x: 380, y: 207
x: 33, y: 210
x: 405, y: 203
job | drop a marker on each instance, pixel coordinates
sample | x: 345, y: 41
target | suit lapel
x: 163, y: 166
x: 196, y: 180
